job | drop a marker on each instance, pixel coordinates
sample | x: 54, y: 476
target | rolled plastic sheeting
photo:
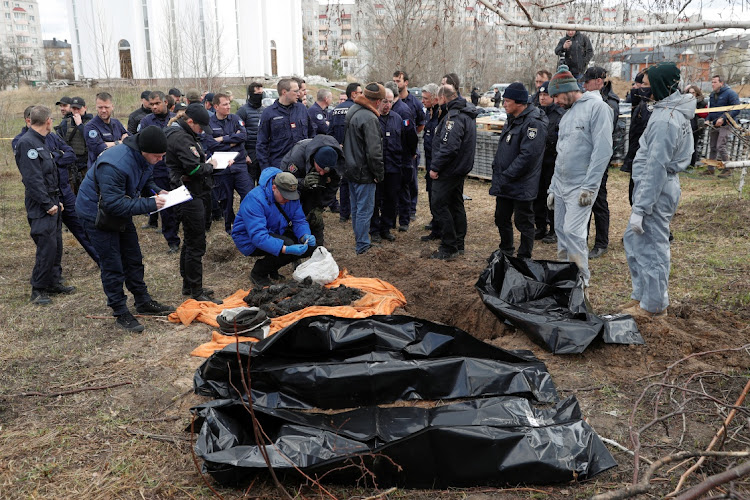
x: 545, y: 299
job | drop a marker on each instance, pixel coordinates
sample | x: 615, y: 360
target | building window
x: 31, y: 18
x: 6, y: 4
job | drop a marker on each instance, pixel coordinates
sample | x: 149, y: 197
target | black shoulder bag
x: 105, y: 221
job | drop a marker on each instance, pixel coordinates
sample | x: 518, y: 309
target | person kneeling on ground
x: 270, y: 224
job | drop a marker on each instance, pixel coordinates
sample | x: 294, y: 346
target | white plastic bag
x: 320, y: 267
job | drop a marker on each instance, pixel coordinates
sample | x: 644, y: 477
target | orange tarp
x: 380, y: 298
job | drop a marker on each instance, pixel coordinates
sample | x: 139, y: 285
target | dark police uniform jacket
x: 280, y: 128
x: 338, y: 120
x: 454, y: 144
x: 232, y: 129
x: 75, y: 136
x: 97, y: 133
x: 554, y: 115
x: 39, y: 174
x: 62, y: 155
x: 186, y: 160
x: 135, y: 118
x: 433, y: 117
x: 161, y: 121
x: 319, y: 119
x: 394, y: 131
x: 251, y: 117
x: 518, y: 160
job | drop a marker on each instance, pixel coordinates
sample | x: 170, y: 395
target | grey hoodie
x: 584, y: 146
x: 666, y: 148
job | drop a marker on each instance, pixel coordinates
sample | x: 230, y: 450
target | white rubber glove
x: 636, y: 223
x: 551, y: 201
x: 586, y: 198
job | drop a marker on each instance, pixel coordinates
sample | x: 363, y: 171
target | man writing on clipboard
x: 188, y: 167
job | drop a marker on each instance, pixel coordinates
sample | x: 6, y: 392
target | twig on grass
x: 622, y: 448
x: 161, y: 419
x: 65, y: 393
x: 715, y: 480
x: 156, y: 437
x: 381, y: 494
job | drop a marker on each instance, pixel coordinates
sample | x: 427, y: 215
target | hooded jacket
x: 121, y: 173
x: 666, y: 148
x: 518, y: 160
x: 186, y: 160
x: 363, y: 145
x: 725, y: 96
x: 299, y: 161
x: 455, y: 140
x: 259, y: 216
x: 584, y: 146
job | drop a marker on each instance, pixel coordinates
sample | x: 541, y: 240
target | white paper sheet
x: 222, y: 158
x: 175, y: 197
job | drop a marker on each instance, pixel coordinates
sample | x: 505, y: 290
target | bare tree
x: 200, y: 44
x: 104, y: 57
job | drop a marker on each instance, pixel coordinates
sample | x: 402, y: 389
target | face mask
x: 255, y: 100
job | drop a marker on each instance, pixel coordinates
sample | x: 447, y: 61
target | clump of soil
x: 278, y: 300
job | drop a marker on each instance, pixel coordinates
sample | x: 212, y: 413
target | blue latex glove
x: 309, y: 239
x: 296, y: 249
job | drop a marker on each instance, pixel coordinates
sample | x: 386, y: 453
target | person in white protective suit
x: 665, y: 150
x: 584, y: 147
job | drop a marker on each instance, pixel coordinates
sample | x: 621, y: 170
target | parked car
x: 269, y: 96
x: 416, y: 92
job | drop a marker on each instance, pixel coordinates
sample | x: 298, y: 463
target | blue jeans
x: 362, y: 203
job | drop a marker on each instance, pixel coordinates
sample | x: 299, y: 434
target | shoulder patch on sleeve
x: 292, y: 168
x: 32, y: 154
x: 194, y: 151
x: 319, y: 116
x: 449, y: 125
x: 93, y: 133
x: 531, y: 133
x: 242, y: 122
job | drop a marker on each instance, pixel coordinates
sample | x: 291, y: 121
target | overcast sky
x: 54, y: 14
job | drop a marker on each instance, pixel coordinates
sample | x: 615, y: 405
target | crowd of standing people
x: 290, y: 162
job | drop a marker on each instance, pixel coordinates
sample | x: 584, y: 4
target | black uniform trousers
x: 544, y: 217
x: 345, y: 210
x: 47, y: 235
x: 600, y: 213
x: 523, y: 216
x: 404, y: 197
x: 121, y: 262
x: 169, y: 221
x: 193, y: 215
x: 270, y: 263
x: 70, y: 217
x: 387, y: 198
x: 428, y: 187
x: 447, y: 206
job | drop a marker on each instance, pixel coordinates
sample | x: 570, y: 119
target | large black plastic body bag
x: 334, y: 363
x: 545, y: 299
x: 492, y: 441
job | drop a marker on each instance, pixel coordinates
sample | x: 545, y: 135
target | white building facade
x: 148, y: 39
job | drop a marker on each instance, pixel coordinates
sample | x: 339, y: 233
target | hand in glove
x: 636, y: 223
x: 309, y: 239
x: 586, y: 198
x: 312, y: 179
x: 296, y: 249
x: 551, y: 201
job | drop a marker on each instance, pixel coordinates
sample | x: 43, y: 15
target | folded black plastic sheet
x: 333, y: 363
x: 546, y: 300
x: 490, y: 441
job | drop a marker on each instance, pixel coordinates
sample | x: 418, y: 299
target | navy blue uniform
x: 97, y: 133
x: 235, y: 177
x: 420, y: 119
x: 280, y: 128
x: 431, y: 123
x: 337, y: 129
x: 169, y: 222
x: 389, y: 194
x: 515, y: 177
x: 41, y: 179
x: 251, y: 117
x: 542, y: 216
x: 406, y: 113
x: 319, y: 119
x: 122, y: 173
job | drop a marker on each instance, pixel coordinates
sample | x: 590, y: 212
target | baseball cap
x: 145, y: 94
x: 180, y: 106
x: 77, y: 102
x: 175, y: 92
x: 199, y: 115
x: 286, y: 183
x: 594, y: 72
x: 209, y: 97
x: 63, y: 100
x: 193, y: 95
